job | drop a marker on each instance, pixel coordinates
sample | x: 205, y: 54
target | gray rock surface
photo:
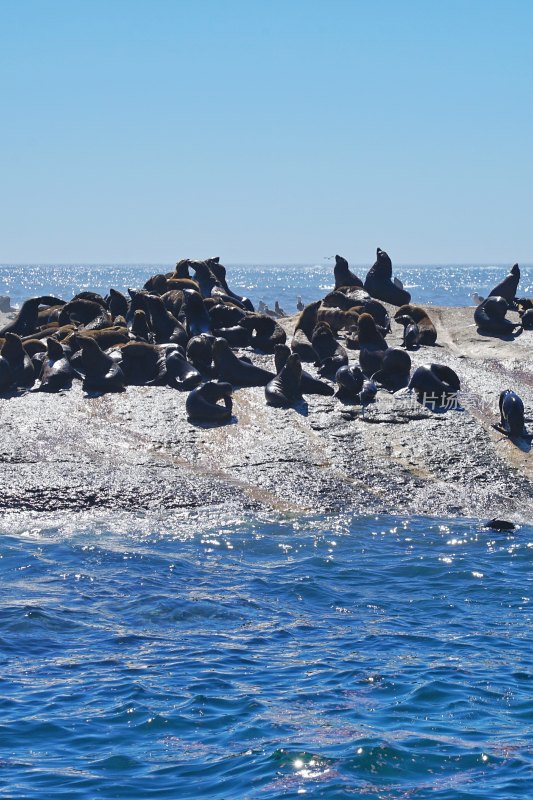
x: 136, y: 451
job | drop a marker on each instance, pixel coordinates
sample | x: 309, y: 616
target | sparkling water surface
x: 441, y: 284
x: 265, y: 657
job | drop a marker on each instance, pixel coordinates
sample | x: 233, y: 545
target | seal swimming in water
x: 202, y: 403
x: 511, y: 413
x: 285, y: 389
x: 489, y: 317
x: 343, y: 274
x: 236, y: 370
x: 508, y: 287
x: 380, y: 285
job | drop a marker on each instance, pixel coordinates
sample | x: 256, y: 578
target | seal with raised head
x: 26, y: 321
x: 100, y: 372
x: 265, y: 332
x: 200, y: 352
x: 308, y: 383
x: 203, y: 402
x: 379, y: 282
x: 285, y: 389
x: 343, y: 274
x: 236, y: 370
x: 197, y: 319
x: 489, y: 317
x: 508, y: 287
x: 143, y: 364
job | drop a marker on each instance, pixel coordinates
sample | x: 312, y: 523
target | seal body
x: 235, y: 370
x: 489, y: 317
x: 435, y: 384
x: 415, y: 315
x: 380, y: 285
x: 343, y: 274
x: 285, y: 388
x: 350, y: 382
x: 512, y: 413
x: 308, y: 383
x: 509, y: 286
x: 203, y: 402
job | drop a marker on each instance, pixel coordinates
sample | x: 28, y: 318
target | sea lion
x: 118, y: 304
x: 32, y: 346
x: 80, y: 310
x: 343, y: 274
x: 200, y: 352
x: 350, y: 382
x: 181, y: 374
x: 92, y: 297
x: 265, y: 332
x: 409, y: 314
x: 21, y: 365
x: 202, y: 403
x: 98, y: 370
x: 511, y: 413
x: 307, y: 319
x: 489, y: 317
x: 300, y: 344
x: 139, y: 326
x: 173, y: 301
x: 157, y: 284
x: 336, y: 318
x: 508, y: 287
x: 236, y: 335
x: 285, y: 389
x: 143, y: 364
x: 235, y: 370
x: 331, y: 354
x: 435, y: 384
x: 26, y: 321
x: 219, y: 271
x: 163, y: 324
x: 380, y: 285
x: 370, y: 361
x: 197, y: 319
x: 205, y: 278
x: 394, y: 371
x: 7, y: 379
x: 225, y: 316
x: 526, y: 318
x: 181, y: 270
x: 308, y: 383
x: 367, y: 336
x: 56, y: 372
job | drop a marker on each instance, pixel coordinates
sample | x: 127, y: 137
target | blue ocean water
x: 438, y: 284
x: 264, y: 657
x: 330, y: 657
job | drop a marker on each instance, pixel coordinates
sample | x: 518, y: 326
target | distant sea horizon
x: 429, y: 284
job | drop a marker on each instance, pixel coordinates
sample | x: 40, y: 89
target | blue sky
x: 266, y: 131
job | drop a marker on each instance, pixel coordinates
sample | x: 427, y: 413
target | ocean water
x: 440, y: 284
x: 228, y: 657
x: 274, y: 657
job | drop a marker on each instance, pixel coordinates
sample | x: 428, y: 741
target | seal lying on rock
x: 394, y: 371
x: 435, y: 383
x: 380, y: 285
x: 489, y: 317
x: 22, y: 368
x: 202, y: 403
x: 331, y: 355
x: 408, y: 314
x: 367, y: 336
x: 236, y: 370
x: 285, y: 389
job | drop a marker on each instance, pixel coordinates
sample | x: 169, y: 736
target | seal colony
x: 189, y: 331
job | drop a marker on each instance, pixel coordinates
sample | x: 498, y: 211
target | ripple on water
x: 264, y: 658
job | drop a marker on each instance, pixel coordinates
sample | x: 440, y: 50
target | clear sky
x: 266, y: 130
